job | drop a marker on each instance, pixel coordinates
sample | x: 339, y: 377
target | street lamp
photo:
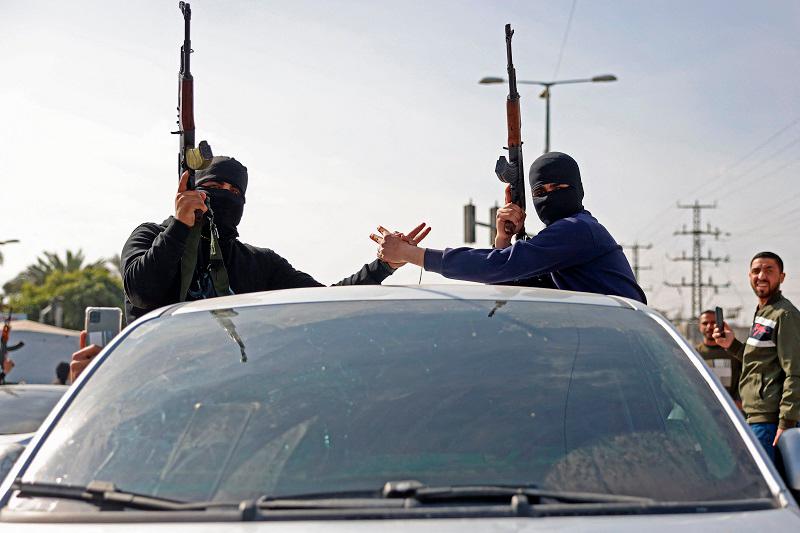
x: 546, y: 95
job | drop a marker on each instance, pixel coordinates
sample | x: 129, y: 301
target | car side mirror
x: 9, y: 453
x: 789, y: 446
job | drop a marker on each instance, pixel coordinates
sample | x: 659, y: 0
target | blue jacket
x: 577, y: 251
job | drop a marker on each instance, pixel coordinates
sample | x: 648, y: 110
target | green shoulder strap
x: 189, y: 259
x: 216, y: 265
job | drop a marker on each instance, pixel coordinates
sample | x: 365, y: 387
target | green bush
x: 79, y: 289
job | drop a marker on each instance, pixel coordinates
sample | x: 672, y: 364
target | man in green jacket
x: 770, y: 381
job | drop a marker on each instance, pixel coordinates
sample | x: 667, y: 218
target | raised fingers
x: 508, y: 194
x: 183, y: 184
x: 376, y: 238
x: 415, y: 241
x: 413, y: 232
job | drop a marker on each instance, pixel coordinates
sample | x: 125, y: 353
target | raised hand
x: 723, y: 341
x: 189, y: 205
x: 81, y: 359
x: 391, y: 243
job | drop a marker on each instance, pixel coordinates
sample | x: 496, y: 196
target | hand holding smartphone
x: 720, y: 321
x: 102, y: 324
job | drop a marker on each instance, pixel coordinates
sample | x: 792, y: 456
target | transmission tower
x: 634, y: 248
x: 697, y: 258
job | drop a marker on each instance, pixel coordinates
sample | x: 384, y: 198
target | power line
x: 768, y: 174
x: 714, y: 181
x: 771, y: 214
x: 564, y: 41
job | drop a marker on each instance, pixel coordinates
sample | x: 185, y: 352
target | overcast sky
x: 352, y: 114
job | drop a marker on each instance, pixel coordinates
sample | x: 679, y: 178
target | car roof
x: 403, y: 292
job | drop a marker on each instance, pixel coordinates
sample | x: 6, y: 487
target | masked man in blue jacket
x: 574, y: 249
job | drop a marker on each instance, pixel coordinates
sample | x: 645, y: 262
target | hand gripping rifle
x: 189, y: 157
x: 5, y: 348
x: 511, y: 170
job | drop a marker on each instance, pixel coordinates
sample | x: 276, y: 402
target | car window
x: 24, y: 410
x: 348, y: 395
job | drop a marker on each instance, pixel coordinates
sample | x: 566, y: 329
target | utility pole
x: 697, y: 259
x: 634, y: 248
x: 470, y: 223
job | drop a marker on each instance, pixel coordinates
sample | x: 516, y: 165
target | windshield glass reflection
x: 348, y: 395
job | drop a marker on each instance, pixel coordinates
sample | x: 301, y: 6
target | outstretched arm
x: 558, y: 246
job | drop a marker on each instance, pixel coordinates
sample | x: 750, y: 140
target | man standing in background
x: 770, y: 381
x: 726, y: 367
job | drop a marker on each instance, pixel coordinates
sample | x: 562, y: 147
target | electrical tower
x: 697, y: 259
x: 635, y: 247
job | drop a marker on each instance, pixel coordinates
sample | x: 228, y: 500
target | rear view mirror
x: 789, y: 446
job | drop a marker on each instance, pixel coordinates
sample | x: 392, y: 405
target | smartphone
x: 102, y: 324
x: 720, y: 320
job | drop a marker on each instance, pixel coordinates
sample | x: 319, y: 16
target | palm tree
x: 115, y: 262
x: 9, y: 241
x: 48, y: 263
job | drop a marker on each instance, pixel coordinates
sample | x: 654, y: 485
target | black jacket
x: 151, y: 261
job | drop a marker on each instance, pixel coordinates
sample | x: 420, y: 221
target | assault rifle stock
x: 512, y: 170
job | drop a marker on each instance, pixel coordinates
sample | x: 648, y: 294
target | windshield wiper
x: 430, y: 494
x: 535, y: 501
x: 410, y: 494
x: 105, y: 495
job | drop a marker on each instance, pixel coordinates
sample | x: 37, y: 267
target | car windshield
x: 345, y: 396
x: 24, y: 409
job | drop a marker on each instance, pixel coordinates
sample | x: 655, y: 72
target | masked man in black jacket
x: 157, y: 270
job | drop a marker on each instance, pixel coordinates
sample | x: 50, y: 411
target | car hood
x: 777, y: 520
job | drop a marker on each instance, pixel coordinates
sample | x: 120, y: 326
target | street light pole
x: 546, y: 95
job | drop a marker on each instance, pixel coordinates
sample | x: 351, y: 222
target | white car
x: 22, y: 410
x: 425, y: 408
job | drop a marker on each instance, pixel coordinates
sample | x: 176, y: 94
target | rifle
x: 189, y: 157
x: 512, y: 171
x: 5, y: 348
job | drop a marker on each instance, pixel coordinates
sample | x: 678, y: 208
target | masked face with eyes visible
x: 225, y: 184
x: 555, y: 181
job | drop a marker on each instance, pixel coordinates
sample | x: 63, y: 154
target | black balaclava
x: 555, y: 167
x: 227, y: 206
